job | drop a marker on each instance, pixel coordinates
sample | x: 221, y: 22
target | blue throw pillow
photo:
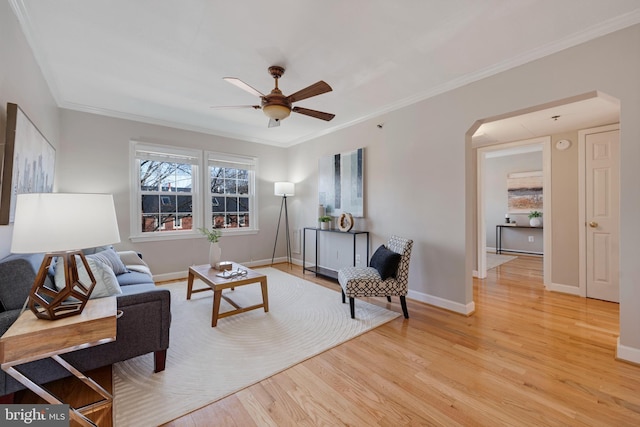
x: 111, y: 259
x: 386, y: 262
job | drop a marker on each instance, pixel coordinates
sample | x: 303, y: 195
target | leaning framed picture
x: 29, y: 162
x: 341, y: 183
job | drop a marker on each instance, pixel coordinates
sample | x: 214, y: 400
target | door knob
x: 593, y: 224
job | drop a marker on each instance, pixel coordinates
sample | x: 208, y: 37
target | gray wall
x: 496, y: 171
x: 95, y: 158
x: 22, y: 83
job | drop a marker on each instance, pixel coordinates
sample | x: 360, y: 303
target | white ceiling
x: 162, y: 61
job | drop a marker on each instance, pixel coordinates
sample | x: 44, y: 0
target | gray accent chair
x: 143, y: 327
x: 367, y: 281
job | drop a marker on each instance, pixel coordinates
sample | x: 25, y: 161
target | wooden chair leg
x: 389, y: 298
x: 343, y: 297
x: 352, y: 307
x: 403, y: 302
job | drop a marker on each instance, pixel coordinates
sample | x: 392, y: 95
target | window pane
x: 150, y: 204
x: 184, y: 222
x: 232, y: 221
x: 150, y: 223
x: 230, y: 173
x: 218, y: 221
x: 243, y: 174
x: 185, y: 204
x: 243, y: 186
x: 232, y: 204
x: 230, y: 186
x: 243, y: 204
x: 217, y: 204
x: 168, y: 203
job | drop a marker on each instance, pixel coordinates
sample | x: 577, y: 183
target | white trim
x: 629, y: 354
x: 456, y: 307
x: 582, y: 200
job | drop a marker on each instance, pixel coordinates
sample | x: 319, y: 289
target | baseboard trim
x: 565, y: 289
x: 456, y: 307
x: 627, y: 354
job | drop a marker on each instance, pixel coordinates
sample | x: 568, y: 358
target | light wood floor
x: 526, y: 357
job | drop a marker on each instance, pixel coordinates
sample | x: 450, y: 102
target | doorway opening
x: 553, y: 121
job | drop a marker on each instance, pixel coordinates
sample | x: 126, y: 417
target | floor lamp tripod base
x: 283, y: 204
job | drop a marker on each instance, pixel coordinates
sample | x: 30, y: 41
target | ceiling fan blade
x: 313, y: 113
x: 242, y: 85
x: 231, y: 107
x: 315, y: 89
x: 274, y: 123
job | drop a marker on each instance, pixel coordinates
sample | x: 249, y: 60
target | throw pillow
x: 386, y: 262
x: 106, y: 282
x: 112, y: 259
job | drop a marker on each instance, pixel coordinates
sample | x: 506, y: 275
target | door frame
x: 481, y: 239
x: 582, y: 199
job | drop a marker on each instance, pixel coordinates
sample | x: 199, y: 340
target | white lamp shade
x: 283, y: 189
x: 55, y: 222
x: 276, y: 112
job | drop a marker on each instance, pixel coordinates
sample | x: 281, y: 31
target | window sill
x: 163, y: 236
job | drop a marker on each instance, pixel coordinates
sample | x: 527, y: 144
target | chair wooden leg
x: 352, y: 307
x: 403, y: 302
x: 160, y: 360
x: 343, y: 297
x: 389, y: 298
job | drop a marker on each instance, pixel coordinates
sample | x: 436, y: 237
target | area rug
x: 494, y: 260
x: 205, y: 364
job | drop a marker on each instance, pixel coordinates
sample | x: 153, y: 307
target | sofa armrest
x: 7, y: 318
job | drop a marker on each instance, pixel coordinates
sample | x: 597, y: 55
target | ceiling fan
x: 275, y: 105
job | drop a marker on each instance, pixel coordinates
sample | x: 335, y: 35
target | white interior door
x: 602, y: 182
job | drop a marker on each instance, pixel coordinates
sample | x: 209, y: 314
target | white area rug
x: 494, y: 260
x: 205, y: 364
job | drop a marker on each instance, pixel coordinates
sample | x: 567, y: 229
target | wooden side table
x: 30, y: 338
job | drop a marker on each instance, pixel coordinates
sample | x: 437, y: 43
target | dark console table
x: 326, y: 271
x: 499, y: 228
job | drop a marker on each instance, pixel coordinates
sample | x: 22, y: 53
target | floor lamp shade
x: 61, y: 225
x: 283, y: 189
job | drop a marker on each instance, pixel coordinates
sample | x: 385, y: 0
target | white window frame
x: 139, y: 150
x: 239, y: 161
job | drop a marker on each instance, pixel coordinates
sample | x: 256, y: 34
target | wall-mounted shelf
x: 316, y: 269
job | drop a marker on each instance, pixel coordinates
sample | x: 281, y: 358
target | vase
x: 215, y: 253
x: 325, y: 225
x: 535, y: 222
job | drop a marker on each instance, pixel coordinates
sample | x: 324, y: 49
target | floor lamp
x: 283, y: 189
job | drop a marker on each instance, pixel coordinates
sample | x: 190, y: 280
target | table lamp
x: 61, y: 225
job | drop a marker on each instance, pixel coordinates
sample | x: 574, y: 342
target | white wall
x: 420, y: 171
x: 22, y: 83
x: 95, y: 158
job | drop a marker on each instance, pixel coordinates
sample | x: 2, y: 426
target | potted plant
x: 325, y: 222
x: 534, y: 218
x: 215, y: 252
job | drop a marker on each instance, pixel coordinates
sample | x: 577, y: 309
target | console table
x: 326, y: 271
x: 499, y: 228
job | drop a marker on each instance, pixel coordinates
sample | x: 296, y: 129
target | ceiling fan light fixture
x: 276, y: 112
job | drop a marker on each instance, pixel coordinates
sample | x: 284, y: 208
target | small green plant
x: 212, y: 235
x: 535, y: 214
x: 325, y: 218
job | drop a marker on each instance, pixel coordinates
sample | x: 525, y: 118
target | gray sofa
x: 143, y: 327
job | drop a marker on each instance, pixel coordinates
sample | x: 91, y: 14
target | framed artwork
x: 29, y: 162
x: 524, y: 192
x: 340, y: 183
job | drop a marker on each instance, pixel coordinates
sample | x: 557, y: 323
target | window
x: 170, y: 201
x: 231, y: 202
x: 166, y: 197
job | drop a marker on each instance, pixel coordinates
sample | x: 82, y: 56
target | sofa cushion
x: 110, y: 258
x: 386, y: 262
x: 106, y: 281
x: 133, y: 278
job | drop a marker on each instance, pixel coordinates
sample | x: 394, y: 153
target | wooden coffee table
x: 216, y: 284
